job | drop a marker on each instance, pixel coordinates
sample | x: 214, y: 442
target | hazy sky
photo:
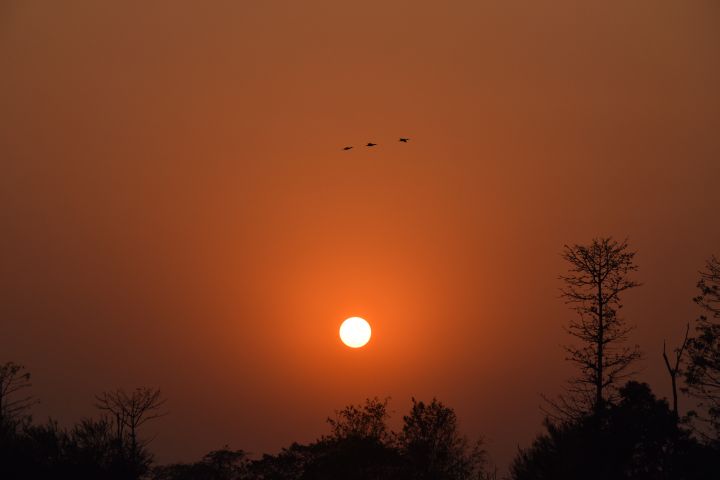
x: 176, y: 209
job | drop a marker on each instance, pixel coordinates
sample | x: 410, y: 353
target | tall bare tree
x: 598, y: 274
x: 13, y: 379
x: 130, y: 411
x: 702, y: 375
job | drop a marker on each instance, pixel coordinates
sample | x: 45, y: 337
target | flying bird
x: 347, y: 148
x: 404, y: 140
x: 370, y: 144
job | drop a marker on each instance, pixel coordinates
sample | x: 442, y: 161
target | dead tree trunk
x: 673, y: 370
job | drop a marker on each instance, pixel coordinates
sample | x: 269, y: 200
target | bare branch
x: 13, y: 379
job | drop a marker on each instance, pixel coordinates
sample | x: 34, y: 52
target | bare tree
x: 130, y: 412
x: 597, y: 276
x: 674, y: 369
x: 702, y: 375
x: 13, y: 379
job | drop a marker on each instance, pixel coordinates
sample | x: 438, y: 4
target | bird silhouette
x: 404, y: 140
x: 370, y: 144
x: 347, y: 148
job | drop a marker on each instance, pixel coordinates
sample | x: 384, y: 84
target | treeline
x: 360, y: 445
x: 605, y: 427
x: 108, y: 447
x: 602, y: 426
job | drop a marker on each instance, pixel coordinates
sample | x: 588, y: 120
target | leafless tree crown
x: 129, y: 411
x: 598, y: 275
x: 13, y: 379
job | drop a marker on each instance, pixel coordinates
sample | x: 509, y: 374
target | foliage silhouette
x: 87, y: 451
x: 368, y: 421
x: 637, y: 438
x: 222, y: 464
x: 434, y: 449
x: 702, y: 375
x: 361, y: 446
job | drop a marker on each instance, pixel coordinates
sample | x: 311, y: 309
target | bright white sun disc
x: 355, y: 332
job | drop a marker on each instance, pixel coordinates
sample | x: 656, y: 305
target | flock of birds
x: 371, y: 144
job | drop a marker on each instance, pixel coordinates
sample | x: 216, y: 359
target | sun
x: 355, y: 332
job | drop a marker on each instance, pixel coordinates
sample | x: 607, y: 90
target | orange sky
x: 176, y: 209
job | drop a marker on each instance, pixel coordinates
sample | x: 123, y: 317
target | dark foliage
x: 361, y: 446
x: 637, y: 438
x: 433, y: 448
x: 87, y: 451
x: 702, y: 375
x: 368, y: 421
x: 222, y: 464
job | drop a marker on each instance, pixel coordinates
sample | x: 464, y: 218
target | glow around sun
x: 355, y: 332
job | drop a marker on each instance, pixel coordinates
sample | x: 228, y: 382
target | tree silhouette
x: 361, y: 447
x: 358, y: 447
x: 91, y: 450
x: 289, y: 464
x: 130, y: 412
x: 703, y: 370
x: 221, y: 464
x: 43, y: 450
x: 598, y: 274
x: 433, y: 447
x: 13, y: 379
x: 366, y: 421
x: 638, y: 438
